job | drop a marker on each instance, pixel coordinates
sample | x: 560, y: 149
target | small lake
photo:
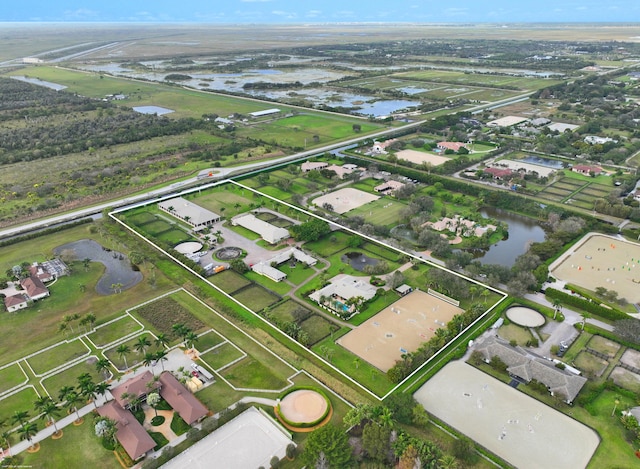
x: 37, y: 81
x: 153, y: 110
x: 523, y: 232
x: 117, y: 267
x: 358, y: 261
x: 384, y: 108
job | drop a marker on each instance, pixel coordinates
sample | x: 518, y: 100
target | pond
x: 358, y: 261
x: 523, y: 232
x: 384, y: 108
x: 117, y: 267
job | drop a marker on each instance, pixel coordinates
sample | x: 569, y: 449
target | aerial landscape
x: 281, y: 235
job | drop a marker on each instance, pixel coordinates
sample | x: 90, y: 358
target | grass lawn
x: 242, y: 231
x: 133, y: 357
x: 22, y: 400
x: 221, y: 356
x: 256, y: 298
x: 378, y: 304
x: 79, y: 447
x: 228, y: 197
x: 10, y: 377
x: 603, y: 345
x: 175, y: 237
x: 57, y: 356
x: 109, y: 333
x: 250, y: 373
x: 208, y: 340
x: 384, y: 211
x: 229, y: 281
x: 298, y: 274
x: 281, y: 288
x: 590, y: 365
x: 382, y: 251
x: 520, y: 335
x: 318, y: 328
x: 69, y: 377
x: 330, y: 244
x: 290, y: 311
x: 219, y: 396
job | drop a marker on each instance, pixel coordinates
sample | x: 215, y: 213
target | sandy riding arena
x: 602, y: 261
x: 398, y: 329
x: 419, y: 157
x: 346, y: 199
x: 303, y: 406
x: 525, y: 317
x: 522, y: 431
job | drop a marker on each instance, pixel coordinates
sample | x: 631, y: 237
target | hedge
x: 586, y: 305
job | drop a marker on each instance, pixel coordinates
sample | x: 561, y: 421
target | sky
x: 320, y: 11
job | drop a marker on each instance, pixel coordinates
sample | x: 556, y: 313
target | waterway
x: 523, y: 232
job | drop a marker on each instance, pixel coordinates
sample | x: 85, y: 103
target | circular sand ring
x: 303, y: 407
x: 525, y: 317
x: 228, y: 253
x: 190, y: 247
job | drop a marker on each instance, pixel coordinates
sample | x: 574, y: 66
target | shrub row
x: 47, y: 231
x: 586, y: 305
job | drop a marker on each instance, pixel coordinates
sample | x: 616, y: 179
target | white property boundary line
x: 113, y: 216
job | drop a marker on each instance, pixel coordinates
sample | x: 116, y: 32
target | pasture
x: 384, y: 211
x: 69, y: 376
x: 229, y: 281
x: 64, y: 352
x: 255, y: 297
x: 344, y: 200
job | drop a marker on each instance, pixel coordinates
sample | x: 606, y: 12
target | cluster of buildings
x: 270, y: 233
x: 32, y: 288
x: 339, y: 294
x: 460, y: 226
x: 341, y: 171
x: 133, y: 437
x: 269, y: 268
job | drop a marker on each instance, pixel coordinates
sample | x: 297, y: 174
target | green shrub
x: 158, y: 420
x: 178, y: 425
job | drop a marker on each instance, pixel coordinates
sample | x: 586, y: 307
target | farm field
x: 384, y: 211
x: 10, y: 377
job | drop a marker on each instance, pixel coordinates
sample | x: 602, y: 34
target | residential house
x: 313, y: 166
x: 381, y: 147
x: 137, y: 386
x: 270, y: 233
x: 342, y: 290
x: 15, y: 302
x: 587, y: 170
x: 453, y: 146
x: 266, y: 267
x: 595, y: 140
x: 388, y: 187
x: 34, y: 288
x: 197, y: 217
x: 39, y: 271
x: 181, y: 399
x: 499, y: 173
x: 130, y: 433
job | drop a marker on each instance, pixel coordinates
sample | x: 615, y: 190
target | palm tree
x: 178, y: 329
x: 148, y: 360
x: 41, y: 403
x: 447, y: 462
x: 5, y: 440
x: 73, y: 399
x: 28, y: 431
x: 161, y: 356
x: 91, y: 319
x: 101, y: 389
x: 62, y: 327
x: 123, y: 350
x: 153, y: 399
x: 64, y: 392
x: 51, y: 412
x: 585, y: 316
x: 161, y: 340
x: 87, y: 389
x: 103, y: 365
x: 142, y: 344
x: 557, y: 306
x: 20, y: 417
x: 190, y: 340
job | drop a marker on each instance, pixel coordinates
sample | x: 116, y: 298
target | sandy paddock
x: 523, y: 431
x: 526, y: 317
x: 419, y: 157
x: 346, y: 199
x: 399, y: 328
x: 602, y: 261
x: 303, y: 406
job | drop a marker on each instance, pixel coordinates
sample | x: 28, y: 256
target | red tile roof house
x: 587, y: 170
x: 499, y: 173
x: 454, y: 146
x: 137, y: 386
x: 40, y: 272
x: 34, y: 288
x: 15, y: 302
x: 181, y: 399
x: 130, y: 433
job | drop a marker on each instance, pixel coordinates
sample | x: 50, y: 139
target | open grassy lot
x: 10, y: 377
x: 280, y: 288
x: 256, y: 297
x: 603, y: 345
x: 229, y: 281
x: 133, y: 357
x: 378, y: 304
x: 79, y: 447
x: 298, y: 274
x: 250, y: 373
x: 513, y: 332
x: 227, y: 200
x: 220, y: 395
x: 330, y: 244
x: 318, y: 328
x: 290, y: 311
x: 208, y: 340
x: 446, y: 76
x: 57, y: 356
x: 174, y: 236
x: 111, y: 332
x: 382, y: 251
x: 221, y: 356
x: 384, y: 211
x: 22, y: 400
x: 626, y: 379
x: 590, y: 365
x: 157, y: 227
x: 69, y: 377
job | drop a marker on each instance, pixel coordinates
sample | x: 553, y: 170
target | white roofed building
x: 192, y: 214
x: 340, y: 291
x: 270, y: 233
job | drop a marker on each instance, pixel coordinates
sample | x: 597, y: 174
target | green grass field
x: 256, y: 298
x: 290, y: 311
x: 384, y: 211
x: 11, y: 377
x: 250, y: 373
x: 111, y: 332
x: 229, y: 281
x: 224, y: 202
x: 329, y: 245
x: 221, y: 356
x: 69, y: 377
x: 208, y: 340
x: 317, y: 327
x: 57, y: 356
x: 280, y: 288
x: 298, y: 274
x: 22, y: 400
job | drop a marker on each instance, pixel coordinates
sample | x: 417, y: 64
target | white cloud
x: 80, y: 14
x: 285, y: 14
